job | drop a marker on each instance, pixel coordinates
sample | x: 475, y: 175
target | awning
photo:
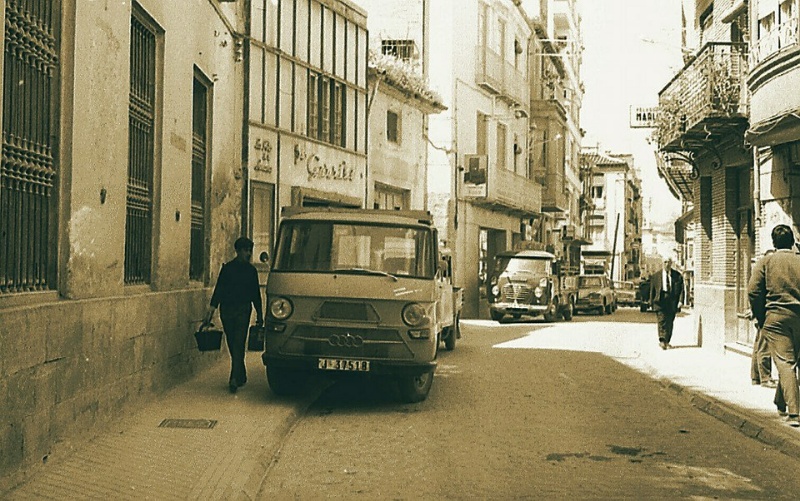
x: 780, y: 129
x: 680, y: 225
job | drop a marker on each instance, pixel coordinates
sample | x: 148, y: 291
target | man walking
x: 774, y: 293
x: 666, y: 295
x: 236, y: 290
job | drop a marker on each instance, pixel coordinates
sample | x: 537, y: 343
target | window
x: 405, y: 50
x: 597, y: 192
x: 141, y: 124
x: 480, y: 134
x: 28, y: 188
x: 501, y: 146
x: 327, y: 108
x: 200, y: 145
x: 392, y: 127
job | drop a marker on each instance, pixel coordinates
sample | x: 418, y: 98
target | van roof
x: 360, y: 215
x: 526, y: 254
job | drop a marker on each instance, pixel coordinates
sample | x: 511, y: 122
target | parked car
x: 626, y: 293
x: 595, y: 294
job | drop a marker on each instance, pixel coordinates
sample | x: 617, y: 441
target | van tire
x: 551, y: 315
x: 569, y: 311
x: 285, y: 382
x: 415, y: 388
x: 496, y: 315
x: 452, y: 335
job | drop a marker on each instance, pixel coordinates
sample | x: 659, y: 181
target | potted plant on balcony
x: 670, y: 121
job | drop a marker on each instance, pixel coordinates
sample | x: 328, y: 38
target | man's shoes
x: 663, y: 345
x: 232, y: 386
x: 793, y: 420
x: 242, y: 383
x: 782, y: 410
x: 770, y: 383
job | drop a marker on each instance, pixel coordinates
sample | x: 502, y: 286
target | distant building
x: 615, y: 222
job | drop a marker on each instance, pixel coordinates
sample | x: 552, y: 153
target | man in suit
x: 666, y: 296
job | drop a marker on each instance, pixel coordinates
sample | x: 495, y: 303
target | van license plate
x: 342, y: 364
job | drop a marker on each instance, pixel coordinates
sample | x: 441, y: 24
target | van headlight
x: 280, y: 308
x: 414, y: 314
x: 537, y: 292
x: 495, y: 291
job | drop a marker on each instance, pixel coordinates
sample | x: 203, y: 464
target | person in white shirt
x: 666, y: 296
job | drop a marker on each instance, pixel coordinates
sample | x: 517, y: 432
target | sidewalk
x: 138, y: 459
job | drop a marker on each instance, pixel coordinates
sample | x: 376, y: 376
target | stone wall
x: 71, y: 366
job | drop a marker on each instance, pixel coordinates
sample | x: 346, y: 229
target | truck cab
x: 531, y: 283
x: 358, y: 291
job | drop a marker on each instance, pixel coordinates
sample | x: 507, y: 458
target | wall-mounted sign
x: 261, y: 154
x: 643, y: 117
x: 475, y: 176
x: 318, y: 169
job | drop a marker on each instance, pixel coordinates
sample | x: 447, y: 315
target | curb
x: 786, y: 441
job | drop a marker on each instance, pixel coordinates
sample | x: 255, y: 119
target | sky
x: 631, y: 51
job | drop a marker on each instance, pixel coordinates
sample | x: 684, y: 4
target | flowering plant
x: 403, y: 75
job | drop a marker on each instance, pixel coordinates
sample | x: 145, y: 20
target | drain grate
x: 188, y: 423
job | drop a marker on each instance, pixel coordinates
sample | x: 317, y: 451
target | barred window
x: 405, y: 50
x: 28, y: 171
x: 141, y: 123
x: 197, y: 246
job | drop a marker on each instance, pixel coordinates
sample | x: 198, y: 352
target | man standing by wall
x: 666, y: 295
x: 774, y: 293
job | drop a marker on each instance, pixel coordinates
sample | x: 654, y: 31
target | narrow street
x: 507, y: 423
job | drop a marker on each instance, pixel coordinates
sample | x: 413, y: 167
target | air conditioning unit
x: 568, y: 232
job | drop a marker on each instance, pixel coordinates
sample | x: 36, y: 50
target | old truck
x: 531, y: 283
x: 359, y: 291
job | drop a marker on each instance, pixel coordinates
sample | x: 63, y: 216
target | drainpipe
x: 756, y: 189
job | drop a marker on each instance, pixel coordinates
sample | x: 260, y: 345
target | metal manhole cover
x: 188, y: 423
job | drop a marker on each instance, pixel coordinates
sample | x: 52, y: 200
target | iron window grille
x: 405, y: 50
x: 28, y: 170
x: 197, y: 247
x: 141, y: 124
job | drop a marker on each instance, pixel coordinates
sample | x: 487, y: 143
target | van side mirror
x: 264, y: 257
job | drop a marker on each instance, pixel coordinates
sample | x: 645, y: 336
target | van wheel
x: 496, y: 315
x: 452, y: 335
x: 552, y: 312
x: 285, y: 382
x: 642, y: 307
x: 415, y: 388
x: 569, y: 311
x: 609, y: 309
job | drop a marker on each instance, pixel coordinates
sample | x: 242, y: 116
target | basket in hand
x: 208, y: 339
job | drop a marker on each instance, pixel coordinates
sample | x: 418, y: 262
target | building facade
x: 704, y: 113
x: 615, y: 222
x: 120, y: 197
x: 306, y: 113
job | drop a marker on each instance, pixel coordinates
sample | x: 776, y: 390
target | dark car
x: 643, y: 295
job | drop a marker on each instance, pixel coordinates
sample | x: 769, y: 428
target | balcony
x: 500, y: 77
x: 553, y: 197
x: 782, y: 36
x: 509, y: 192
x: 707, y: 98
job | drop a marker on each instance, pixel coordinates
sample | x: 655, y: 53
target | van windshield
x: 328, y: 246
x: 524, y: 265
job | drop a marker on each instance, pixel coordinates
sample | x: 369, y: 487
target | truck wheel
x: 285, y: 382
x: 552, y: 312
x: 415, y: 388
x: 642, y: 307
x: 496, y: 315
x: 609, y: 309
x: 569, y: 311
x: 452, y: 335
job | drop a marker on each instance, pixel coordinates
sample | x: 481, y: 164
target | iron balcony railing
x: 500, y: 77
x: 706, y: 96
x: 781, y: 36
